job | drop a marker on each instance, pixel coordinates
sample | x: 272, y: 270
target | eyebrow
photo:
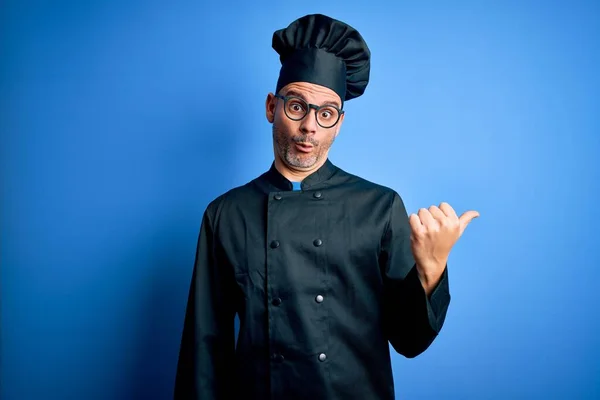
x: 292, y: 92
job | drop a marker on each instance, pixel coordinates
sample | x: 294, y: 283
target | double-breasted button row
x: 278, y: 357
x: 316, y: 195
x: 275, y: 243
x: 277, y: 300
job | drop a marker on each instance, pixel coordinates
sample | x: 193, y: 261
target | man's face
x: 302, y: 145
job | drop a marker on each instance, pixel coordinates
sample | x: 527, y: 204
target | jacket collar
x: 325, y: 172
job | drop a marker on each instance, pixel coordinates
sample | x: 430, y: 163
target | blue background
x: 120, y: 121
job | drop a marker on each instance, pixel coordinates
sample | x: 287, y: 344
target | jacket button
x: 278, y: 357
x: 317, y: 195
x: 277, y: 197
x: 275, y: 244
x: 276, y: 301
x: 318, y: 242
x: 322, y: 357
x: 319, y: 298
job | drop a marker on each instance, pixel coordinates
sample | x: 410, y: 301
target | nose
x: 309, y: 123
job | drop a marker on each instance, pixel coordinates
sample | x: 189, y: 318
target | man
x: 324, y: 268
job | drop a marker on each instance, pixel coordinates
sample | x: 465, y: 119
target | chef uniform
x: 320, y: 272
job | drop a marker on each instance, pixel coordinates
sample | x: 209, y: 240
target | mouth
x: 304, y: 147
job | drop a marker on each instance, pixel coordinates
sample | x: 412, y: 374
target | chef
x: 325, y: 269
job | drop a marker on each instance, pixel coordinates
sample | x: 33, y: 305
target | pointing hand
x: 434, y: 232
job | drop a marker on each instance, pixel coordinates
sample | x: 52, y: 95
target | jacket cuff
x: 438, y: 302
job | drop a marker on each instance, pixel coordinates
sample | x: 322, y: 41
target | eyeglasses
x: 297, y: 108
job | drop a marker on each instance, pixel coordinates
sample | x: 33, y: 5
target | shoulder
x: 240, y: 198
x: 363, y: 185
x: 233, y: 197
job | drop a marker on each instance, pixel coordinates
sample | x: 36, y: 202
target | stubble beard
x: 285, y: 147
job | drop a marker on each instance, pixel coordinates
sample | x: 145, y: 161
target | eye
x: 296, y: 106
x: 327, y: 113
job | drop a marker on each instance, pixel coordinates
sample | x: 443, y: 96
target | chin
x: 306, y: 162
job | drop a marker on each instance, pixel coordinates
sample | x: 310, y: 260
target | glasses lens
x: 296, y: 108
x: 327, y: 116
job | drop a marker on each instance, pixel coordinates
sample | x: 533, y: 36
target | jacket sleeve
x: 207, y: 344
x: 412, y: 319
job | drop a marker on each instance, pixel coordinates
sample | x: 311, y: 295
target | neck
x: 296, y: 175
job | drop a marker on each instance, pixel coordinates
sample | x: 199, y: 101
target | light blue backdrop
x: 120, y: 121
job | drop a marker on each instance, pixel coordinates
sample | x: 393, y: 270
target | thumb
x: 466, y: 218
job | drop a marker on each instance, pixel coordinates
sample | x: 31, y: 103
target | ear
x: 270, y: 105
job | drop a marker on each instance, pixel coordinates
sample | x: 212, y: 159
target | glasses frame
x: 309, y: 107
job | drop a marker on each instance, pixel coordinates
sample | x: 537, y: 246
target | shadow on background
x: 170, y: 250
x: 116, y: 133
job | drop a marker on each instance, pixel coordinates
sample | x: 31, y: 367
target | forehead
x: 312, y: 93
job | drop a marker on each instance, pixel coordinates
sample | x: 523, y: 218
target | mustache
x: 304, y: 139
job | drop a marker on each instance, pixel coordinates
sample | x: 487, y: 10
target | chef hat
x: 324, y: 51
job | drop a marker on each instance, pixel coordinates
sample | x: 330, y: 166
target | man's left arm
x: 414, y: 319
x: 415, y: 251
